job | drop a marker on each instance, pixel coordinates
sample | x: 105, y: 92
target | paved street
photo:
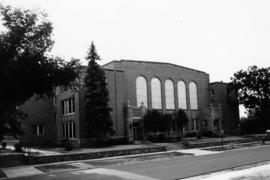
x: 172, y: 168
x: 191, y: 166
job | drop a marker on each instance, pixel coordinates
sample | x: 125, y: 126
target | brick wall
x: 40, y: 112
x: 163, y: 71
x: 226, y: 98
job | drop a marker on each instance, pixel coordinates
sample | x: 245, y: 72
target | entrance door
x: 137, y: 133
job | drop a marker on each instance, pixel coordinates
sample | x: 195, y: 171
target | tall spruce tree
x: 97, y: 111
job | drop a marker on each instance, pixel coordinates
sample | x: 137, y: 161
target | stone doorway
x: 137, y: 131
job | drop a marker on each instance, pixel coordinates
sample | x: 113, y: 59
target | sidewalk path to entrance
x: 198, y: 152
x: 21, y: 171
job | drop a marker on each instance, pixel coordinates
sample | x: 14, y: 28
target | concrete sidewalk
x: 95, y: 173
x: 259, y: 171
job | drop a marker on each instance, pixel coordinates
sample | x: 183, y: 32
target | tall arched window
x: 141, y: 91
x: 193, y: 96
x: 169, y: 94
x: 156, y: 93
x: 182, y: 96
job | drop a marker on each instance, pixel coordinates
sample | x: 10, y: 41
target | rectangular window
x: 194, y: 124
x: 205, y: 124
x: 38, y: 129
x: 63, y: 131
x: 55, y: 118
x: 212, y: 92
x: 68, y: 130
x: 55, y: 100
x: 185, y: 128
x: 68, y: 106
x: 35, y: 129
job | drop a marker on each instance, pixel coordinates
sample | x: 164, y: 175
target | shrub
x: 209, y: 134
x: 68, y: 146
x: 156, y: 137
x: 251, y: 126
x: 18, y: 147
x: 151, y: 137
x: 161, y: 137
x: 4, y: 145
x: 114, y: 141
x: 199, y: 135
x: 191, y: 134
x: 185, y: 143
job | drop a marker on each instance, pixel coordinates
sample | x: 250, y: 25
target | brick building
x: 223, y: 99
x: 134, y: 87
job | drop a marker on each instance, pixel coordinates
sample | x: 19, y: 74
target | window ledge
x: 68, y: 114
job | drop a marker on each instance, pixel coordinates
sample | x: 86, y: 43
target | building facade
x: 223, y: 101
x: 134, y: 87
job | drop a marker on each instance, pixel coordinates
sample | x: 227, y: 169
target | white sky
x: 219, y: 37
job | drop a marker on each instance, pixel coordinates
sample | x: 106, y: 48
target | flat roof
x: 218, y: 82
x: 106, y: 69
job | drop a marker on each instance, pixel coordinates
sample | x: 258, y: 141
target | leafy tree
x: 97, y: 111
x: 26, y: 69
x: 253, y: 88
x: 180, y: 120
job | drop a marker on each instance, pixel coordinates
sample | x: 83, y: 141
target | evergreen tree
x: 97, y: 111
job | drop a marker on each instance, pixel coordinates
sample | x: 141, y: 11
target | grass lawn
x: 54, y: 167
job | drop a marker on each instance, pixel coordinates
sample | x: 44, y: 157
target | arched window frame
x: 156, y: 94
x: 193, y: 96
x: 141, y: 92
x: 182, y: 95
x: 169, y: 96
